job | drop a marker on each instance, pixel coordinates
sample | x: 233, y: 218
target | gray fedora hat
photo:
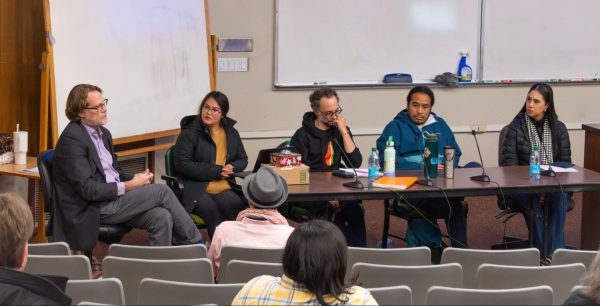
x: 265, y: 188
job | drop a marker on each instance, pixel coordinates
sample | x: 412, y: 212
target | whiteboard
x: 541, y: 39
x: 359, y: 41
x: 149, y: 56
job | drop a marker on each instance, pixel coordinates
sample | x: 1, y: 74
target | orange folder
x: 399, y: 183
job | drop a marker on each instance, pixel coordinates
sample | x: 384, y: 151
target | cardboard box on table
x: 299, y: 175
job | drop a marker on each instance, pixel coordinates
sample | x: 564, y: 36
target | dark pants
x: 557, y: 214
x: 454, y: 215
x: 216, y: 208
x: 156, y: 209
x: 349, y: 217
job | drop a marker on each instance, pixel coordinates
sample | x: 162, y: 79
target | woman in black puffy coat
x: 537, y: 125
x: 207, y: 153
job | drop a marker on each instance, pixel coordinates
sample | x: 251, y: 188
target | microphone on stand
x: 548, y: 172
x: 483, y: 177
x: 357, y: 184
x: 425, y: 181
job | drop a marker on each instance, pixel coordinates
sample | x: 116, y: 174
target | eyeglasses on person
x: 208, y: 109
x: 101, y: 106
x: 337, y: 112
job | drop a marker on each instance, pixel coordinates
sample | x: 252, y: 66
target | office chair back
x: 566, y: 256
x: 131, y: 272
x: 417, y: 256
x: 176, y: 184
x: 560, y: 278
x: 108, y: 233
x: 71, y: 266
x: 471, y: 259
x: 540, y: 295
x: 163, y: 292
x: 49, y: 248
x: 230, y: 252
x: 105, y: 290
x: 418, y: 278
x: 190, y: 251
x: 394, y: 295
x: 241, y: 271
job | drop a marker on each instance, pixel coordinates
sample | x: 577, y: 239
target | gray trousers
x: 156, y: 209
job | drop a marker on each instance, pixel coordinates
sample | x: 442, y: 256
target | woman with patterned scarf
x: 537, y: 125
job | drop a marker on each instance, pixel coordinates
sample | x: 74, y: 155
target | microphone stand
x: 356, y: 184
x: 424, y: 181
x: 548, y: 172
x: 483, y: 177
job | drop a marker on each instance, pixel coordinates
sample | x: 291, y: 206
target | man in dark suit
x: 89, y: 187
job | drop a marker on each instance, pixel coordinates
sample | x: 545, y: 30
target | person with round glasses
x: 316, y: 141
x: 207, y: 153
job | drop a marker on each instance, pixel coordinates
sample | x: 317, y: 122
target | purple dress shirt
x: 111, y: 175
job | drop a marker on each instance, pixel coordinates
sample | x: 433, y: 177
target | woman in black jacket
x: 207, y: 153
x: 537, y: 125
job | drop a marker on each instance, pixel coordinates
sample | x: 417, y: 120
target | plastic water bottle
x: 389, y: 158
x: 534, y: 165
x: 373, y: 165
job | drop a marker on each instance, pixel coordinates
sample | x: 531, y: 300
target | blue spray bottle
x: 465, y: 73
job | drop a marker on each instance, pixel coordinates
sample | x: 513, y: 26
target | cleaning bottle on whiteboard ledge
x: 465, y: 73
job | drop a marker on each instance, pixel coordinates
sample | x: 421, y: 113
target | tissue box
x: 286, y: 159
x: 299, y: 175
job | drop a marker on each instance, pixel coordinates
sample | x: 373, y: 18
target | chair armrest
x: 175, y: 184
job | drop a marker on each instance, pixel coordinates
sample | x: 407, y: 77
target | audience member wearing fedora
x: 261, y: 225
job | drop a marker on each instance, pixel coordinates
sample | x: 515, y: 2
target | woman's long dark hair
x: 315, y: 256
x: 546, y: 91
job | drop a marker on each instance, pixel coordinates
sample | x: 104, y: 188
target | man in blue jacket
x: 408, y: 130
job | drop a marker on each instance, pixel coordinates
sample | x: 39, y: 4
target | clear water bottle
x: 534, y: 165
x: 373, y: 165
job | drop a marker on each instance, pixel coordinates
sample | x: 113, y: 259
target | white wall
x: 266, y: 116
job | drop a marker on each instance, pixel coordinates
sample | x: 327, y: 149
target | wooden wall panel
x: 21, y: 47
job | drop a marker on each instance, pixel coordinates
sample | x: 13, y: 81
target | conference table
x: 506, y: 180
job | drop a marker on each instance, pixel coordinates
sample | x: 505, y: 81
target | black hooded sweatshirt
x: 314, y: 143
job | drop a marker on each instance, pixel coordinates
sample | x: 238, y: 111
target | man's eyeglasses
x: 100, y: 106
x: 337, y: 112
x: 208, y: 109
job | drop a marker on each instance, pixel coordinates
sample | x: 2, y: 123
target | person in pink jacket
x: 261, y: 225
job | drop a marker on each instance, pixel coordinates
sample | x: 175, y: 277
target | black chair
x: 176, y: 184
x: 108, y: 233
x: 401, y: 209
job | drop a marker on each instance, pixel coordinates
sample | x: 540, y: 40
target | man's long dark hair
x: 315, y: 257
x: 546, y: 91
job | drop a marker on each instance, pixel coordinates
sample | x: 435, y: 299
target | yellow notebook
x: 399, y: 183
